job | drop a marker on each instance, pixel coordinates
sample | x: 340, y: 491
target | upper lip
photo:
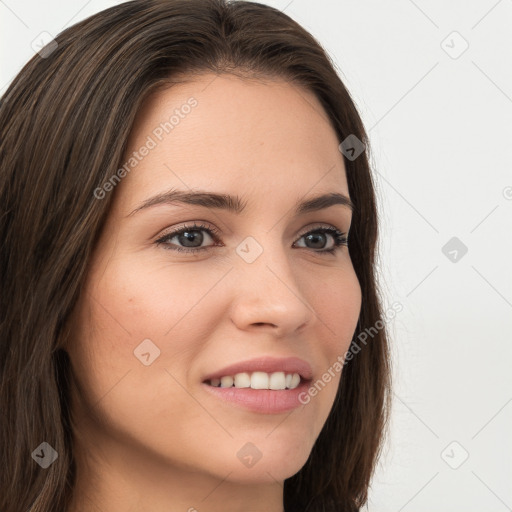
x: 266, y: 364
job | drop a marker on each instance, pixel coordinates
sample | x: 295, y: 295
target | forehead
x: 233, y: 135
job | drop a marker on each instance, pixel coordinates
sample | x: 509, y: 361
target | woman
x: 188, y: 244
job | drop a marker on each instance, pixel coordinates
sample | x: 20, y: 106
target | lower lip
x: 263, y: 401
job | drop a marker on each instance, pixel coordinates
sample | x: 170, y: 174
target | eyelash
x: 340, y: 239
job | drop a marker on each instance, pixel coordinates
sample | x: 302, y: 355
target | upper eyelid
x: 199, y: 226
x: 191, y: 226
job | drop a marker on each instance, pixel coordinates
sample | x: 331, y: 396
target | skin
x: 150, y: 438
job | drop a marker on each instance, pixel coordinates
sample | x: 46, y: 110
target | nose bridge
x: 270, y: 291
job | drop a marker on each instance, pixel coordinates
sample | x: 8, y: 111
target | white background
x: 440, y: 130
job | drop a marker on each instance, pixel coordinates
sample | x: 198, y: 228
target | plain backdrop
x: 433, y: 83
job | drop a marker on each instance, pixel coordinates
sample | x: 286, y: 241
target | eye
x: 191, y: 237
x: 320, y: 235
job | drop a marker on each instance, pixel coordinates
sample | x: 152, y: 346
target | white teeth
x: 242, y: 380
x: 277, y: 381
x: 226, y: 382
x: 259, y: 380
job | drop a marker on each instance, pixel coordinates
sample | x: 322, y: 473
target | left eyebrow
x: 235, y: 204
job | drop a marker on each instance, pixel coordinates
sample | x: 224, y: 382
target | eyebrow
x: 235, y: 204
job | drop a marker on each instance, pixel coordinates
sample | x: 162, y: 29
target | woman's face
x: 153, y: 323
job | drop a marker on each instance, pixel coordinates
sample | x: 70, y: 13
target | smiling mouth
x: 276, y: 381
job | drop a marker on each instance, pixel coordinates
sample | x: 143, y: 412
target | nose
x: 270, y: 296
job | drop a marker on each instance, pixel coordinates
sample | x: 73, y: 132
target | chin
x: 264, y: 471
x: 267, y: 460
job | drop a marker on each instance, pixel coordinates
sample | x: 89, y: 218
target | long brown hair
x: 64, y: 125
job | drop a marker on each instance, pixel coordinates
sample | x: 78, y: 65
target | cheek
x: 337, y: 309
x: 337, y: 305
x: 135, y: 300
x: 128, y: 303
